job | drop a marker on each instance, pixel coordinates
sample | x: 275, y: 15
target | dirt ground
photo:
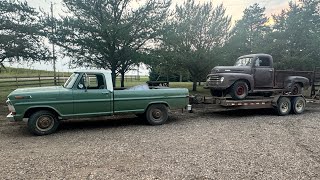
x: 247, y: 144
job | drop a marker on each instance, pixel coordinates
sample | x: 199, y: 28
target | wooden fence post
x: 58, y: 79
x: 17, y: 82
x: 39, y: 80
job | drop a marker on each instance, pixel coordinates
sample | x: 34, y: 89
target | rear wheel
x: 283, y: 106
x: 239, y: 90
x: 298, y: 105
x: 296, y: 89
x: 157, y: 114
x: 43, y: 123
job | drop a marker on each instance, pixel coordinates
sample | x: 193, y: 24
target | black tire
x: 239, y: 90
x: 157, y: 114
x: 298, y: 105
x: 283, y: 106
x: 296, y: 89
x: 216, y: 93
x: 43, y: 122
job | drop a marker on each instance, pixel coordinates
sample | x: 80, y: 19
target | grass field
x: 22, y: 72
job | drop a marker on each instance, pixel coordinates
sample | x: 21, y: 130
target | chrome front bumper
x: 10, y: 117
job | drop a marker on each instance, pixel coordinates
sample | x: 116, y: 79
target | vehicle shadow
x: 243, y: 113
x: 106, y: 122
x: 101, y: 122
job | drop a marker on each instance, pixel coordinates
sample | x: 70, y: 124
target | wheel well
x: 246, y: 81
x: 300, y: 83
x: 30, y: 111
x: 157, y: 103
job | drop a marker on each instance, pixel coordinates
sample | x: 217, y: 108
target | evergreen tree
x: 193, y: 35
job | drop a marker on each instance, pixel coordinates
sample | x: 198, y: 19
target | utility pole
x: 53, y: 50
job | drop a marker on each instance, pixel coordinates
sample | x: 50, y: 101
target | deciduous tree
x: 21, y: 33
x: 107, y: 33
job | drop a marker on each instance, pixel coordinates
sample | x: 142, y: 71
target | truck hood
x: 231, y: 69
x: 50, y: 92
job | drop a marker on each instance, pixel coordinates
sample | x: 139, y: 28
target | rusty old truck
x: 252, y: 74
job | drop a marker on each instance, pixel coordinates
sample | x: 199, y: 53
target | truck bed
x: 281, y: 75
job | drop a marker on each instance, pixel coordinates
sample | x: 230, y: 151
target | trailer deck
x: 284, y: 104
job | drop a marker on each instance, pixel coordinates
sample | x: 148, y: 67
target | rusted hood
x: 231, y: 69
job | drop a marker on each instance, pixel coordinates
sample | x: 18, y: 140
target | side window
x: 95, y: 81
x: 262, y: 62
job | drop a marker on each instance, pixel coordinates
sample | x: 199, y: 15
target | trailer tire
x: 283, y: 106
x: 43, y: 123
x: 298, y: 105
x: 239, y: 90
x: 157, y: 114
x: 296, y: 89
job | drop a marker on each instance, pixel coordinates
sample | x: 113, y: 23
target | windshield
x: 244, y: 62
x: 69, y: 83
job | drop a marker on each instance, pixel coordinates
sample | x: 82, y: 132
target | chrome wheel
x: 284, y: 107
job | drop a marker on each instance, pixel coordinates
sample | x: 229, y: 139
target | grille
x: 215, y: 78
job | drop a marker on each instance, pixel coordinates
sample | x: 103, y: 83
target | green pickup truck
x: 90, y: 93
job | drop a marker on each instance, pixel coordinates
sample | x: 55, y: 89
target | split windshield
x: 244, y: 62
x: 72, y: 79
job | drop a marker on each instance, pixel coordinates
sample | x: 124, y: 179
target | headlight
x: 222, y: 79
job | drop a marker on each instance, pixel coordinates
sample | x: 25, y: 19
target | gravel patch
x: 246, y: 144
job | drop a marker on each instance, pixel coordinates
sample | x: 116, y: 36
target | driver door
x: 263, y: 73
x: 95, y: 99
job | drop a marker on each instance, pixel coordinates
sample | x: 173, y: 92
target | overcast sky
x: 234, y: 8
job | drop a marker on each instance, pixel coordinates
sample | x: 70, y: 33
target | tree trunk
x: 194, y: 86
x: 113, y: 75
x: 199, y: 83
x: 180, y: 77
x: 122, y: 79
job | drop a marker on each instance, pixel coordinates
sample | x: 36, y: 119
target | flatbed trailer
x: 283, y: 104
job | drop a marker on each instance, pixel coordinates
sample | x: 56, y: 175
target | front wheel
x: 157, y: 114
x: 239, y: 90
x: 43, y: 123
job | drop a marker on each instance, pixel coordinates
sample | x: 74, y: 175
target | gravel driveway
x: 203, y: 145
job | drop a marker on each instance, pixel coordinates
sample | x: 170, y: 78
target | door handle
x: 270, y: 70
x: 105, y: 92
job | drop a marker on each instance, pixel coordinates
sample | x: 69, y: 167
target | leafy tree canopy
x: 21, y: 33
